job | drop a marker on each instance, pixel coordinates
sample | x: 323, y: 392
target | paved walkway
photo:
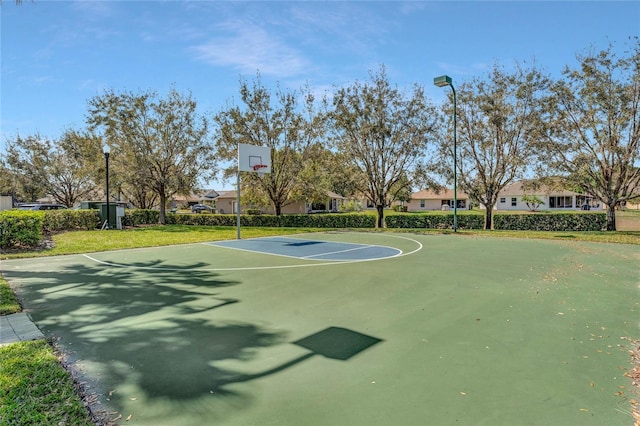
x: 18, y: 327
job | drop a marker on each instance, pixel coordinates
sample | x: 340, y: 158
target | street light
x: 106, y: 151
x: 442, y: 81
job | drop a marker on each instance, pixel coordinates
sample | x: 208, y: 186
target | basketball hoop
x: 260, y: 168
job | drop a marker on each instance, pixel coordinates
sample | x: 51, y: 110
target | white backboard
x: 251, y: 155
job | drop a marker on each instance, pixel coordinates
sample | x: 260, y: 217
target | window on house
x: 422, y: 204
x: 503, y: 200
x: 514, y: 201
x: 582, y: 200
x: 561, y: 202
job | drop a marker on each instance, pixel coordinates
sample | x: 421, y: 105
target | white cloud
x: 250, y: 48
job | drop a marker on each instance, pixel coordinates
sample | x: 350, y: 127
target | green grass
x: 8, y: 301
x: 617, y: 237
x: 35, y: 389
x: 151, y: 236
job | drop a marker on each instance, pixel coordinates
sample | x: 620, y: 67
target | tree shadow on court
x: 157, y: 331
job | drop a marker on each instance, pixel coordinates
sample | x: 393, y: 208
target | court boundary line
x: 257, y: 268
x: 310, y: 257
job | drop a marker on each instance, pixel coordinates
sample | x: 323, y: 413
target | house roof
x: 233, y: 194
x: 226, y: 194
x: 444, y: 194
x: 518, y: 188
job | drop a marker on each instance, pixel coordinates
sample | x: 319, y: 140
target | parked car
x: 39, y: 206
x: 199, y: 208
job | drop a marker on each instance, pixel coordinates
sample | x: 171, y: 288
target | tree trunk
x: 611, y: 216
x: 278, y: 209
x: 488, y: 217
x: 163, y: 205
x: 380, y: 210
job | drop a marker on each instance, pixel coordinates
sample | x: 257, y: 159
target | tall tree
x: 383, y: 132
x: 594, y: 137
x: 158, y: 142
x: 288, y: 122
x: 65, y: 169
x: 498, y: 116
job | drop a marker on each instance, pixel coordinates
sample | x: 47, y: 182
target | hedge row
x: 26, y: 228
x: 66, y: 220
x: 558, y: 222
x: 434, y: 221
x: 20, y: 228
x: 289, y: 221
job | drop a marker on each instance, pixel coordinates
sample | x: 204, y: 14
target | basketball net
x: 260, y: 168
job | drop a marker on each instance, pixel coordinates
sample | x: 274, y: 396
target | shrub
x: 136, y: 217
x: 351, y: 206
x: 66, y: 220
x: 347, y: 220
x: 20, y: 228
x: 566, y: 221
x: 434, y: 221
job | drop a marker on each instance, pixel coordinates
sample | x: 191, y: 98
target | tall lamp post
x: 106, y: 151
x: 442, y: 81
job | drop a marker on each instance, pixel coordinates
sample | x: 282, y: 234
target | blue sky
x: 56, y: 55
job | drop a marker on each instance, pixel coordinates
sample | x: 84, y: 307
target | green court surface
x: 436, y: 330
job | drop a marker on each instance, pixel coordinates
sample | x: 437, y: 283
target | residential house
x: 206, y: 196
x: 553, y: 198
x: 226, y: 203
x: 441, y: 200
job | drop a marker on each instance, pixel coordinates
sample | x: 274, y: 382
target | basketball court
x: 345, y: 329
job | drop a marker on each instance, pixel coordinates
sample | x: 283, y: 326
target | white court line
x: 361, y: 246
x: 353, y: 249
x: 254, y: 268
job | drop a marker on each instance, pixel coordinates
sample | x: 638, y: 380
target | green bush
x: 350, y: 207
x: 20, y: 228
x: 329, y: 220
x: 136, y: 217
x: 565, y: 221
x: 434, y: 221
x: 66, y: 220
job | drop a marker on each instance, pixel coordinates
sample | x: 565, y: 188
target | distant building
x: 432, y: 200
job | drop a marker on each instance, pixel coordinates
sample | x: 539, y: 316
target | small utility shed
x: 6, y: 202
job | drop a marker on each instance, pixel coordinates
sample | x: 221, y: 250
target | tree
x: 66, y: 169
x: 532, y: 201
x: 156, y: 143
x: 499, y: 115
x: 594, y: 136
x: 383, y: 133
x: 289, y: 123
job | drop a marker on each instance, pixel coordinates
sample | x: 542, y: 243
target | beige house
x: 226, y: 203
x: 441, y: 200
x: 510, y: 198
x: 200, y: 197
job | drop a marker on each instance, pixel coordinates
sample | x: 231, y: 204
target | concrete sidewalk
x: 18, y: 327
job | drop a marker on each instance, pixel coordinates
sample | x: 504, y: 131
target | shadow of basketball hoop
x: 337, y: 343
x: 332, y: 342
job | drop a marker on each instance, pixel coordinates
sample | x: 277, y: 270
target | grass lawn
x: 35, y: 389
x: 8, y: 301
